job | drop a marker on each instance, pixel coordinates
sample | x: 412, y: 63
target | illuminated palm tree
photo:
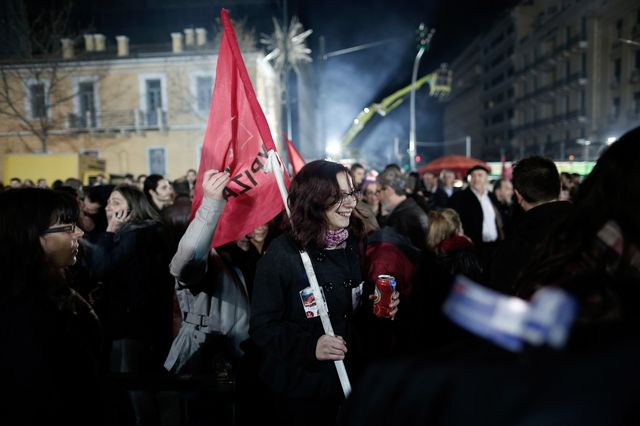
x: 287, y: 50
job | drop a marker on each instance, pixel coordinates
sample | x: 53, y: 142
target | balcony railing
x: 122, y: 121
x: 555, y: 120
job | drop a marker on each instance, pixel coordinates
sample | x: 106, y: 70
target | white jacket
x: 210, y: 308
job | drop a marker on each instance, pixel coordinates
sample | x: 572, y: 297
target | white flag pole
x: 274, y: 165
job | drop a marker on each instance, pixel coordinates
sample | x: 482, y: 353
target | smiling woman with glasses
x: 298, y: 363
x: 51, y: 335
x: 356, y: 195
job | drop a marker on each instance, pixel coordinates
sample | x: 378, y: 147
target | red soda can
x: 385, y: 286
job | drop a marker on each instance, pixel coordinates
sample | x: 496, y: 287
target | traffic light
x: 424, y: 36
x: 418, y: 158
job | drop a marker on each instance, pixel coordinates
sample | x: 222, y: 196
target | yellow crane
x: 439, y: 86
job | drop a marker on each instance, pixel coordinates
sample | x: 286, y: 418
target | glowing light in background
x: 334, y: 148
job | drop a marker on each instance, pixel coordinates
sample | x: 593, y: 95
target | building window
x: 86, y: 102
x: 619, y: 26
x: 636, y: 103
x: 637, y: 61
x: 203, y: 92
x: 92, y: 152
x: 153, y: 98
x: 617, y: 70
x: 154, y: 101
x: 156, y: 160
x: 87, y: 105
x: 37, y: 99
x: 615, y: 107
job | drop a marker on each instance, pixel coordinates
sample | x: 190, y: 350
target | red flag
x: 238, y: 138
x: 295, y: 159
x: 506, y: 170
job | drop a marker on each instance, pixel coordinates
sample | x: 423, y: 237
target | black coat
x: 137, y: 291
x: 279, y: 325
x: 512, y: 254
x: 468, y: 207
x: 49, y: 363
x: 410, y: 220
x: 437, y: 199
x: 480, y: 385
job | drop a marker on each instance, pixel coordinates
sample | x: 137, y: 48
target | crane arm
x: 439, y: 86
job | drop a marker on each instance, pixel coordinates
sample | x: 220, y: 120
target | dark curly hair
x: 313, y: 190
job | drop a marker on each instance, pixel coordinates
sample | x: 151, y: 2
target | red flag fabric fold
x: 237, y: 138
x: 506, y: 170
x: 295, y: 159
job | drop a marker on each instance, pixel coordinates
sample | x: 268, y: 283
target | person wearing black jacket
x: 537, y: 188
x: 404, y: 214
x: 131, y: 260
x: 51, y: 337
x: 480, y: 218
x: 298, y: 356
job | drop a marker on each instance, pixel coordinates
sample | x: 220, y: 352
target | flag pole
x: 274, y: 165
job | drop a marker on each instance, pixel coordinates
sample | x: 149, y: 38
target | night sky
x: 350, y: 81
x: 355, y: 80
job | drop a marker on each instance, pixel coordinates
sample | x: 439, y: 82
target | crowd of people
x: 116, y: 283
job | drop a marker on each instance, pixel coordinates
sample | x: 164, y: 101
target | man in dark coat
x: 480, y: 218
x: 435, y: 195
x: 502, y: 197
x: 404, y: 214
x: 537, y: 187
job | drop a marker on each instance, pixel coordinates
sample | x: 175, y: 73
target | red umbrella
x: 459, y: 164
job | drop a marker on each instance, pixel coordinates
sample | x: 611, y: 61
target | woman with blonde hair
x: 454, y: 251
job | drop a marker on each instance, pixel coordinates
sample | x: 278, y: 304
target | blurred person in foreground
x: 593, y: 253
x: 50, y: 335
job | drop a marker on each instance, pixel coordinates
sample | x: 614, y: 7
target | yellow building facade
x: 141, y: 110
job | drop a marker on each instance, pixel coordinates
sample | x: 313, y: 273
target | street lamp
x: 631, y: 42
x: 424, y: 37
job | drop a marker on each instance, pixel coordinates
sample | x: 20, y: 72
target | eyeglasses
x: 69, y: 229
x: 356, y: 195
